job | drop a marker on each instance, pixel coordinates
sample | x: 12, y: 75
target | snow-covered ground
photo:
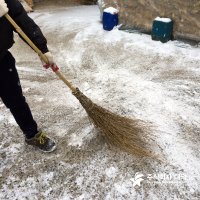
x: 125, y: 72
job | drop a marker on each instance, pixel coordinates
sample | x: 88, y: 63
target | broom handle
x: 36, y: 49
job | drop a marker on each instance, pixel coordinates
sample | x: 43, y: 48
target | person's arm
x: 30, y: 28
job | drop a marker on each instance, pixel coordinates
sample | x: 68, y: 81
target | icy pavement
x: 127, y: 73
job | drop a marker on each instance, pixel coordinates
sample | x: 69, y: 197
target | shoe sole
x: 53, y: 148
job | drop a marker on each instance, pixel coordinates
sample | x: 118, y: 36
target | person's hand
x: 50, y: 59
x: 3, y: 8
x: 50, y: 62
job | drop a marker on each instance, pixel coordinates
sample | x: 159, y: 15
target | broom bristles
x: 122, y: 132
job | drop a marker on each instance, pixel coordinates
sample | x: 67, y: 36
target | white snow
x: 79, y: 180
x: 1, y: 117
x: 162, y: 19
x: 111, y: 172
x: 12, y: 121
x: 78, y: 138
x: 127, y: 73
x: 111, y: 10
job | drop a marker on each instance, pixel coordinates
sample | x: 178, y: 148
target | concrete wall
x: 140, y: 13
x: 28, y: 4
x: 86, y: 2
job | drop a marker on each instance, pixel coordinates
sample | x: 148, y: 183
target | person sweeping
x: 129, y: 134
x: 10, y: 88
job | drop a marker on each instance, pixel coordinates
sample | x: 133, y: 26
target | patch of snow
x: 78, y: 138
x: 11, y: 120
x: 162, y: 19
x: 79, y: 180
x: 111, y: 10
x: 46, y: 177
x: 121, y: 188
x: 111, y: 172
x: 25, y: 189
x: 1, y: 116
x: 15, y: 148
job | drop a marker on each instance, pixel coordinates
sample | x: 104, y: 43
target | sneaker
x: 42, y: 142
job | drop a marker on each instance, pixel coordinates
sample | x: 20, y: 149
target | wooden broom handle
x: 42, y: 56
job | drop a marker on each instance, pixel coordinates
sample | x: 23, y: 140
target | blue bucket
x: 109, y: 21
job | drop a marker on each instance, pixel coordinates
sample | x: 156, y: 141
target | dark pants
x: 12, y: 97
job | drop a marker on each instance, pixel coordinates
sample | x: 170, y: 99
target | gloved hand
x: 49, y: 57
x: 50, y: 62
x: 3, y: 8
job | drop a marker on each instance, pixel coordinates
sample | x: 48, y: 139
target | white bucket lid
x: 111, y: 10
x: 162, y: 19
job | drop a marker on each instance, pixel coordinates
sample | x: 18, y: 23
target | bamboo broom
x: 127, y: 134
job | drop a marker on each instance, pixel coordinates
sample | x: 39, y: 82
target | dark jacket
x: 17, y: 12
